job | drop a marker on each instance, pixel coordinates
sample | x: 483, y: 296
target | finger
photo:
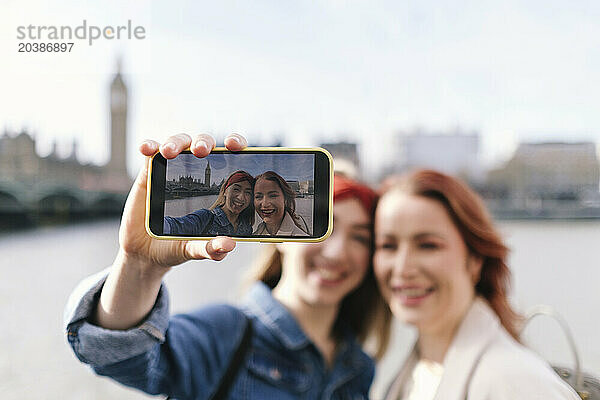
x: 141, y: 179
x: 149, y: 147
x: 202, y: 145
x: 216, y: 249
x: 235, y: 142
x: 134, y: 211
x: 175, y: 145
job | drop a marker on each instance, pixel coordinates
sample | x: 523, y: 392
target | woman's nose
x: 403, y: 262
x: 334, y: 247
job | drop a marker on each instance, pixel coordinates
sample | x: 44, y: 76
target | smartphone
x: 261, y: 194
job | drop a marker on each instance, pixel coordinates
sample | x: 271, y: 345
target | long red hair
x: 363, y: 310
x: 476, y: 227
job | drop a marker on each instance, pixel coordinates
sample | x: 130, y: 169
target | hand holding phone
x: 133, y: 238
x: 134, y: 280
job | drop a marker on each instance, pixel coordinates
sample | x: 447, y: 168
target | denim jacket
x: 195, y: 224
x: 184, y: 356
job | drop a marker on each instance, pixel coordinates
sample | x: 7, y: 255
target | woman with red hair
x: 310, y: 309
x: 441, y: 266
x: 232, y: 213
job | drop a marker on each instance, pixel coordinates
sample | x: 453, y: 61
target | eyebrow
x: 358, y: 226
x: 269, y: 192
x: 418, y: 236
x: 425, y: 234
x: 361, y: 226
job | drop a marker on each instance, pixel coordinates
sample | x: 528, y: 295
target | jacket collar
x: 284, y: 327
x: 288, y: 226
x: 275, y: 317
x: 476, y: 331
x: 220, y: 217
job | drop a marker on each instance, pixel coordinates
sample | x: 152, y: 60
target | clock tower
x: 207, y: 176
x: 118, y: 124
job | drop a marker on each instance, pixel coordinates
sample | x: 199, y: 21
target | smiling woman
x: 232, y: 213
x: 275, y: 203
x: 301, y: 326
x: 441, y: 266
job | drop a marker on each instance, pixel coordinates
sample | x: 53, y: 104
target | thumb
x: 215, y: 249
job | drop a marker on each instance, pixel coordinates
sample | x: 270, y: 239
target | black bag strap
x: 234, y: 363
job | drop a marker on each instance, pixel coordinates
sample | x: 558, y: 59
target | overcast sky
x: 307, y: 72
x: 291, y: 167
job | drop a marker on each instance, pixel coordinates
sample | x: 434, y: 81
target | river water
x: 555, y: 263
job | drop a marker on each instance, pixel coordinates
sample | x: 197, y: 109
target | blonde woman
x: 231, y: 214
x: 310, y: 310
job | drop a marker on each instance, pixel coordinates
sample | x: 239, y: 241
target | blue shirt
x: 196, y: 224
x: 184, y: 356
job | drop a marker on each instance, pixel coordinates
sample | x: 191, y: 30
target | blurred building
x: 455, y: 153
x: 20, y: 163
x: 307, y: 187
x: 294, y: 185
x: 345, y: 157
x: 30, y: 183
x: 560, y: 171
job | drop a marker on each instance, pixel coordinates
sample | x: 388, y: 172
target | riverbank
x: 553, y: 262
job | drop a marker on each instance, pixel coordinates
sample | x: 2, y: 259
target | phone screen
x: 255, y: 194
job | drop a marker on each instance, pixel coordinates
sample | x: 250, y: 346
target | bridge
x: 27, y: 203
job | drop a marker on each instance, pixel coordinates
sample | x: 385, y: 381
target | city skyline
x: 353, y: 72
x: 291, y: 167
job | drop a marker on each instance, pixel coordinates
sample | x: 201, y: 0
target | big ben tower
x: 118, y: 124
x: 207, y: 175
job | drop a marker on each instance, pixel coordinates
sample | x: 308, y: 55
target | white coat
x: 287, y: 228
x: 484, y: 362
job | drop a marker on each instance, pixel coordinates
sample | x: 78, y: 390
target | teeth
x: 329, y: 275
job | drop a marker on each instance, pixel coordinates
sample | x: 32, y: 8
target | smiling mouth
x: 267, y: 212
x: 413, y: 293
x: 330, y: 275
x: 238, y: 203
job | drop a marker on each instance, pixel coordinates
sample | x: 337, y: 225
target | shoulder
x: 261, y: 229
x: 218, y: 317
x: 296, y: 230
x: 245, y: 227
x: 364, y: 362
x: 360, y: 367
x: 355, y: 358
x: 289, y: 227
x: 209, y: 335
x: 203, y: 213
x: 509, y: 370
x: 220, y: 326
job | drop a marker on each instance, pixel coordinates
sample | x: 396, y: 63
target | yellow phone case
x: 249, y: 239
